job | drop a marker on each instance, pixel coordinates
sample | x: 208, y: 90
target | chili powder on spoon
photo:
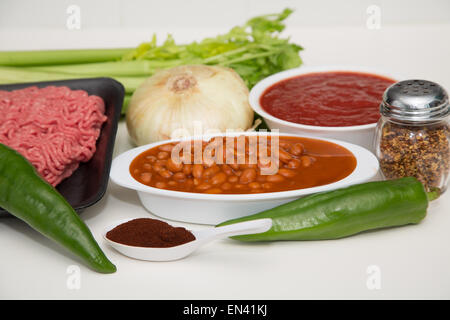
x: 151, y: 233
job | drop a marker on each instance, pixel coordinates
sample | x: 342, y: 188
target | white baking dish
x: 215, y: 208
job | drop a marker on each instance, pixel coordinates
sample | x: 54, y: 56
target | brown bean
x: 172, y: 183
x: 162, y: 155
x: 293, y: 164
x: 146, y: 177
x: 240, y: 186
x: 173, y: 166
x: 254, y: 185
x: 227, y: 169
x: 197, y: 171
x: 219, y: 178
x: 179, y: 176
x: 196, y: 181
x: 235, y: 166
x: 267, y: 185
x: 214, y: 190
x: 233, y: 179
x: 208, y: 173
x: 189, y: 183
x: 226, y: 186
x: 166, y: 147
x: 204, y: 186
x: 285, y: 145
x: 165, y: 173
x: 157, y: 167
x: 147, y: 166
x: 287, y: 173
x: 248, y: 175
x: 274, y: 178
x: 151, y: 159
x: 284, y: 156
x: 260, y: 178
x: 160, y: 185
x: 161, y: 162
x: 136, y: 171
x: 306, y: 161
x: 297, y: 149
x: 187, y: 169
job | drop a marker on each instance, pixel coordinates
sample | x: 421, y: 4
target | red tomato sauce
x: 330, y: 99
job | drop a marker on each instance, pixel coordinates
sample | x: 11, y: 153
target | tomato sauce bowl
x: 360, y: 134
x: 207, y: 208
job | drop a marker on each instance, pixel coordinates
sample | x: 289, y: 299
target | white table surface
x: 413, y: 261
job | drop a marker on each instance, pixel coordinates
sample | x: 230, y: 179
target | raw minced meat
x: 55, y: 128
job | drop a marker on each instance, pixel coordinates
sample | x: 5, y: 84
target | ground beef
x: 55, y: 128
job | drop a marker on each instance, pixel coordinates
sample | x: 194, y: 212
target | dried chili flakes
x: 418, y: 151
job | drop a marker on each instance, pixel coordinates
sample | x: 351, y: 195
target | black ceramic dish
x: 88, y: 183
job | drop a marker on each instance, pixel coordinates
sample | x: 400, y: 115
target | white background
x: 208, y: 14
x: 414, y: 261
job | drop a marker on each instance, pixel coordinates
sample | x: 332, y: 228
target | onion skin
x: 186, y: 97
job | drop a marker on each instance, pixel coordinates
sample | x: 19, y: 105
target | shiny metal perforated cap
x: 415, y: 100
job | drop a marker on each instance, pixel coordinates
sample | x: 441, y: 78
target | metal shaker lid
x: 415, y: 101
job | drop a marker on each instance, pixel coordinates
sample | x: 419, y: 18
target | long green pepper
x: 28, y: 197
x: 344, y: 212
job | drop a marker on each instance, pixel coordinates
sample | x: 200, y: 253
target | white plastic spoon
x: 201, y: 237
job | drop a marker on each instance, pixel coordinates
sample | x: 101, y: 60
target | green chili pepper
x: 344, y: 212
x: 27, y: 196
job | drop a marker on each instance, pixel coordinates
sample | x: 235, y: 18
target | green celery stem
x: 112, y: 68
x: 54, y: 57
x: 126, y: 102
x: 19, y: 75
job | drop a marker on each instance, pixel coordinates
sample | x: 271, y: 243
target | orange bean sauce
x: 297, y: 163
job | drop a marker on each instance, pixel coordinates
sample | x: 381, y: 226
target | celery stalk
x: 254, y: 50
x: 126, y: 101
x: 18, y: 75
x: 114, y: 68
x: 52, y: 57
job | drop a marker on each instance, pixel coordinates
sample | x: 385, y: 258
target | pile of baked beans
x: 158, y: 168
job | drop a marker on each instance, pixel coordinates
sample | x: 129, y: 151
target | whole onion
x: 185, y: 97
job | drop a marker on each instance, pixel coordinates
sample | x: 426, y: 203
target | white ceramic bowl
x: 361, y: 135
x: 215, y: 208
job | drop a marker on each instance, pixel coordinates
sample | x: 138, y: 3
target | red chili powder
x: 152, y: 233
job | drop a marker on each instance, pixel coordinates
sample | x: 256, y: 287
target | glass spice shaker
x: 413, y: 135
